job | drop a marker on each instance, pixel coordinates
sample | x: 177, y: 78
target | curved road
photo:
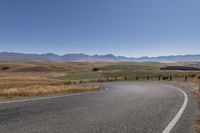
x: 124, y: 107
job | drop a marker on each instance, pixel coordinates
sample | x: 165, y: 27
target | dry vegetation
x: 197, y: 123
x: 24, y: 79
x: 41, y: 90
x: 197, y: 93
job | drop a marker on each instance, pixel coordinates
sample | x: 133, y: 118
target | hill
x: 10, y: 56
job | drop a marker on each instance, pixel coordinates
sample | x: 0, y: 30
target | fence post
x: 199, y: 87
x: 125, y: 78
x: 170, y: 77
x: 137, y: 78
x: 159, y: 77
x: 147, y: 77
x: 186, y: 77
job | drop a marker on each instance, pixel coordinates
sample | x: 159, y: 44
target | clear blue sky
x: 119, y: 27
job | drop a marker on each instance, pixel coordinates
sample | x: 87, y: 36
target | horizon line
x: 98, y: 54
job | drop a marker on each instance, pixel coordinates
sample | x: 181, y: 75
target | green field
x: 128, y: 69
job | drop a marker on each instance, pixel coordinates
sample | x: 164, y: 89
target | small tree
x: 5, y: 68
x: 95, y: 69
x: 125, y: 78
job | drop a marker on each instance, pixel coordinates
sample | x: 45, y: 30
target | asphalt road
x: 125, y: 107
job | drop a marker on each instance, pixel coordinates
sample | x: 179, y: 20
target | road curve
x: 124, y: 107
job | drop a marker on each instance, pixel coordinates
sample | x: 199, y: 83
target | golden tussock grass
x: 41, y: 90
x: 197, y: 123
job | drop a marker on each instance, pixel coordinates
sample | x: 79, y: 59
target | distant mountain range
x: 10, y: 56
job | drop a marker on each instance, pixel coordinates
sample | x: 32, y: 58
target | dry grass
x: 26, y: 76
x: 44, y: 67
x: 197, y: 123
x: 16, y: 86
x: 41, y: 90
x: 25, y: 79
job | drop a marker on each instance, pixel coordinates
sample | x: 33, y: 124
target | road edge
x: 170, y: 126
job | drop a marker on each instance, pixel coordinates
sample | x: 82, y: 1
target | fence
x: 136, y: 78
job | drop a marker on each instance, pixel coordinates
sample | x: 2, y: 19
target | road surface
x: 123, y: 107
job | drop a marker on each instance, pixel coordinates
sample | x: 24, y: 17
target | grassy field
x: 25, y: 79
x: 43, y: 78
x: 128, y: 69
